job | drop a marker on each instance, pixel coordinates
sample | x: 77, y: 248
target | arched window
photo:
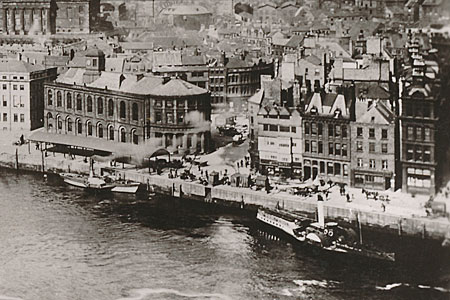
x: 69, y: 101
x: 69, y: 124
x: 79, y: 126
x: 79, y: 102
x: 100, y: 130
x: 89, y: 103
x: 49, y: 121
x: 58, y: 123
x: 135, y: 112
x: 111, y: 133
x: 123, y: 137
x: 50, y: 97
x: 89, y: 128
x: 58, y: 99
x: 100, y: 105
x: 110, y: 107
x: 134, y: 137
x: 122, y: 113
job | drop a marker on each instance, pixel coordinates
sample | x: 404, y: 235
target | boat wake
x: 391, y: 286
x: 307, y: 286
x: 319, y: 283
x: 141, y: 294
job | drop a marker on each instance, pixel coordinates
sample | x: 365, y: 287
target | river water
x: 57, y: 242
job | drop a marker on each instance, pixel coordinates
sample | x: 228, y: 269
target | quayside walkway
x: 401, y: 215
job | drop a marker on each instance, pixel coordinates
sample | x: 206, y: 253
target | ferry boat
x: 327, y: 236
x: 90, y: 183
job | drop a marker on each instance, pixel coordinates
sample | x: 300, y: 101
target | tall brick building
x: 38, y: 17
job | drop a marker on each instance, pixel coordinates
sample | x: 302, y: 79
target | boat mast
x: 320, y: 214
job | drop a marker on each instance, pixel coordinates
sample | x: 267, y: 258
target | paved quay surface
x: 223, y: 160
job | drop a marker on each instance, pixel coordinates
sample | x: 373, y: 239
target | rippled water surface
x: 57, y: 242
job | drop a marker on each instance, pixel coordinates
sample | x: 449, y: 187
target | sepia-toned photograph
x: 224, y: 149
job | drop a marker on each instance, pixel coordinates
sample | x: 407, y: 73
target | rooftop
x: 16, y: 66
x: 177, y: 87
x: 185, y: 10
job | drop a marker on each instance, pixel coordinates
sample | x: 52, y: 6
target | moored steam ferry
x: 328, y: 236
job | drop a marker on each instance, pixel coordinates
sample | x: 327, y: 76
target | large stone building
x: 419, y: 125
x: 128, y: 108
x: 37, y: 17
x: 189, y: 17
x: 280, y: 141
x: 22, y: 97
x: 190, y: 67
x: 373, y: 136
x: 233, y: 80
x: 326, y: 135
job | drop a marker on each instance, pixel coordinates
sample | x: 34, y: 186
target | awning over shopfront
x: 114, y: 149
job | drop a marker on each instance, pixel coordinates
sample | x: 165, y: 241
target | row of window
x: 361, y: 179
x: 15, y: 118
x: 333, y: 148
x: 372, y: 164
x: 336, y: 131
x: 417, y: 177
x: 170, y: 117
x: 89, y: 129
x: 372, y: 133
x: 372, y: 147
x: 276, y: 128
x: 179, y: 103
x: 13, y: 77
x: 334, y: 169
x: 15, y: 87
x: 418, y: 133
x: 418, y: 153
x: 89, y: 105
x: 18, y: 101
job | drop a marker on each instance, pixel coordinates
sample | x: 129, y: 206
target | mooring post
x: 359, y: 228
x: 42, y: 155
x: 424, y: 230
x: 400, y: 227
x: 17, y: 158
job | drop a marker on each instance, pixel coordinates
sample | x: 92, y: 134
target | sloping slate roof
x: 380, y: 114
x: 108, y: 79
x: 72, y: 76
x: 295, y: 41
x: 185, y: 10
x: 191, y: 60
x: 114, y: 64
x: 257, y: 97
x: 78, y: 62
x: 137, y: 45
x: 313, y: 59
x: 167, y: 58
x: 328, y: 99
x: 144, y: 86
x: 16, y: 66
x: 177, y: 87
x: 234, y: 62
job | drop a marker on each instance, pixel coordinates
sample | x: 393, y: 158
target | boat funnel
x: 320, y: 213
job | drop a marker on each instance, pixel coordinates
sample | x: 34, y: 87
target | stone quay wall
x: 436, y: 229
